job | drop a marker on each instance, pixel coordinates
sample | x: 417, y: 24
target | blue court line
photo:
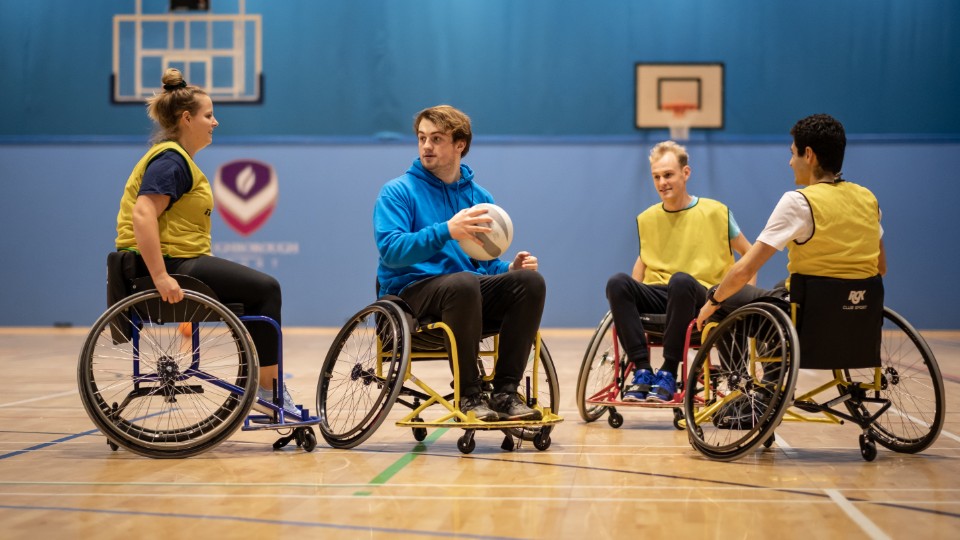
x: 900, y: 506
x: 242, y: 519
x: 46, y: 444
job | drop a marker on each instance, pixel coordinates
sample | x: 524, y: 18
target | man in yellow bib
x: 686, y: 245
x: 831, y: 227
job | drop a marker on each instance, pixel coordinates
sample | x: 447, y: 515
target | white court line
x: 857, y: 516
x: 868, y: 526
x: 600, y: 487
x: 782, y: 444
x: 922, y: 423
x: 40, y: 398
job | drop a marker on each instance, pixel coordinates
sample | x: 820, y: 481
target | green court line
x: 399, y: 464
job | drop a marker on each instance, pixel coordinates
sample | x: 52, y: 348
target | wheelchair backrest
x: 838, y: 321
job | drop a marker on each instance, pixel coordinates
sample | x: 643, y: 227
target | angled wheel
x: 911, y: 381
x: 161, y: 393
x: 363, y: 374
x: 741, y: 382
x: 548, y: 390
x: 598, y: 371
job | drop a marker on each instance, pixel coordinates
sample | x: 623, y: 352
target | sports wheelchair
x: 742, y: 382
x: 369, y: 367
x: 606, y: 372
x: 174, y: 380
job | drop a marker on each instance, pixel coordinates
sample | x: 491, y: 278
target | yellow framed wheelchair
x: 885, y: 379
x: 370, y: 366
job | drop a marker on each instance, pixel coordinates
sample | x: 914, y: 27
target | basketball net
x: 680, y: 120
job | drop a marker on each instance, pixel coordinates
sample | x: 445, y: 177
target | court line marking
x: 921, y: 422
x: 404, y: 460
x: 806, y: 490
x: 40, y: 398
x: 856, y: 515
x: 392, y: 497
x: 244, y: 519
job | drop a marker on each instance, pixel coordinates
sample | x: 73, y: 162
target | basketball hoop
x: 680, y: 119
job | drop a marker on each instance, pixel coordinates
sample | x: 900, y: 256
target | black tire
x: 598, y: 369
x: 749, y: 362
x: 309, y: 440
x: 615, y: 420
x: 160, y: 393
x: 548, y: 390
x: 911, y: 382
x: 363, y: 374
x: 466, y: 444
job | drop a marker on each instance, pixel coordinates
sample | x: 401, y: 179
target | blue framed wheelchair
x: 885, y: 379
x: 175, y: 380
x: 369, y: 367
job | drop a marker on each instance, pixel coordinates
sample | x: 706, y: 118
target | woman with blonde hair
x: 165, y: 219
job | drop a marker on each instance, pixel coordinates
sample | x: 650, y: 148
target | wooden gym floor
x: 58, y: 478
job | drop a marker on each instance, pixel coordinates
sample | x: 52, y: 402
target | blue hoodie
x: 410, y: 228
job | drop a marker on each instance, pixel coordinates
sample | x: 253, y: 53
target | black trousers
x: 235, y: 283
x: 471, y: 305
x: 680, y: 299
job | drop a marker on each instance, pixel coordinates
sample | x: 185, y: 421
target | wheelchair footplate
x: 536, y: 430
x: 300, y: 428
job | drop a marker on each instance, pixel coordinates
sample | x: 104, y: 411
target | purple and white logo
x: 246, y: 193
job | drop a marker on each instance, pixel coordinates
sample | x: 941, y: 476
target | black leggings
x: 234, y: 283
x: 471, y: 305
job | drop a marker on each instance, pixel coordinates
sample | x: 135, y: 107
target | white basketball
x: 496, y: 242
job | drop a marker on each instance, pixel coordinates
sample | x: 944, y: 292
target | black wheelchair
x: 742, y: 382
x: 174, y: 380
x: 369, y: 367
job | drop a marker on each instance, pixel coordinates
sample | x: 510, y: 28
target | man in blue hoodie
x: 417, y: 221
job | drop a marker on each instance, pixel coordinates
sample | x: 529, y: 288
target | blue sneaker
x: 663, y: 387
x: 643, y: 379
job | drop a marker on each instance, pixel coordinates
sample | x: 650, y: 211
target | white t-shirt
x: 790, y: 220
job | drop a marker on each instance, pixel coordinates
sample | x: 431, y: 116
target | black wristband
x: 711, y: 298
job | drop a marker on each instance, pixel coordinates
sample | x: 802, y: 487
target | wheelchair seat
x: 654, y: 325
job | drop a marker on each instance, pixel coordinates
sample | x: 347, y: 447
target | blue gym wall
x: 549, y: 85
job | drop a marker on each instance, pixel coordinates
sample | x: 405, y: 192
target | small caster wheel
x: 677, y: 418
x: 113, y: 446
x: 507, y: 443
x: 615, y: 419
x: 466, y: 444
x: 419, y: 433
x: 868, y: 448
x: 541, y: 441
x: 309, y: 440
x: 279, y: 444
x: 770, y: 440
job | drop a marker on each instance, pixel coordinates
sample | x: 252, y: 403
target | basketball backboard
x: 219, y: 50
x: 665, y: 92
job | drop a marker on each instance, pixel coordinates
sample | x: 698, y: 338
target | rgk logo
x: 856, y: 297
x: 246, y: 193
